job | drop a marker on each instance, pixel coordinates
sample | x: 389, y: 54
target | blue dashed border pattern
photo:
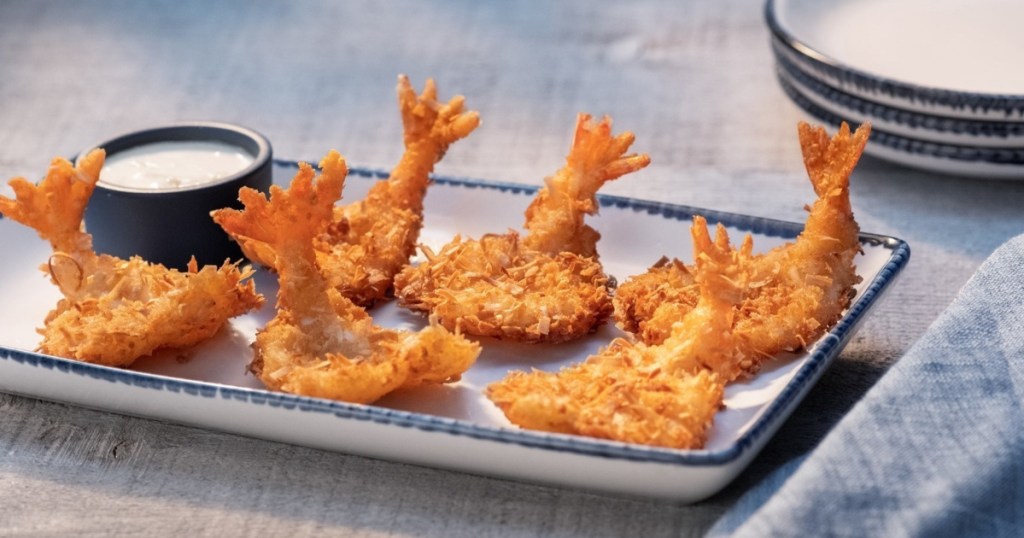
x: 826, y: 349
x: 914, y: 146
x: 984, y: 130
x: 1009, y: 105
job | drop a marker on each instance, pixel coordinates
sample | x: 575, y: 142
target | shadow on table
x: 839, y: 389
x: 138, y: 468
x: 964, y: 215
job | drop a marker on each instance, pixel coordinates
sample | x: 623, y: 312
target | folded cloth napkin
x: 935, y: 448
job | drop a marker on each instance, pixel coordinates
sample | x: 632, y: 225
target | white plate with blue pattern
x: 946, y: 57
x: 453, y: 427
x: 891, y: 142
x: 898, y: 121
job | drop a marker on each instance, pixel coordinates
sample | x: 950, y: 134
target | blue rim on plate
x: 986, y: 131
x: 1005, y: 157
x: 821, y: 355
x: 1009, y: 106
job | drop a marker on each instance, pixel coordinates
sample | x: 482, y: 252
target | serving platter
x: 453, y: 426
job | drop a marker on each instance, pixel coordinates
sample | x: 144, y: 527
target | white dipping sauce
x: 174, y: 165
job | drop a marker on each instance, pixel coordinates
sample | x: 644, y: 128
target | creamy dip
x: 174, y: 165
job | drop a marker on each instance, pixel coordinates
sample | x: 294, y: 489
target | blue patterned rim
x: 966, y: 154
x: 1008, y: 105
x: 827, y: 349
x: 916, y: 120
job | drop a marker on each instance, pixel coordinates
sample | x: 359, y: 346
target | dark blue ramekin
x: 169, y: 226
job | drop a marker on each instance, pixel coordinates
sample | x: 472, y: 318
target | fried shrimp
x: 800, y: 290
x: 796, y: 291
x: 115, y: 311
x: 321, y: 343
x: 366, y: 243
x: 547, y: 286
x: 664, y: 395
x: 648, y: 304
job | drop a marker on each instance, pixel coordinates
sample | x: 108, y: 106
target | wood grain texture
x: 694, y: 80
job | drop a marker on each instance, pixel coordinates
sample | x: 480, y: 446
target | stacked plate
x: 941, y: 81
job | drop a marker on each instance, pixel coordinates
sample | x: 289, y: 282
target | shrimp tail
x: 56, y: 206
x: 830, y: 161
x: 720, y: 269
x: 429, y: 127
x: 424, y: 118
x: 554, y: 219
x: 290, y: 216
x: 600, y: 156
x: 830, y: 226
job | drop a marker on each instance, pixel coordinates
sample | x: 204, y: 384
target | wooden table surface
x: 694, y: 80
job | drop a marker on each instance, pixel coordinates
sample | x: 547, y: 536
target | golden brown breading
x: 320, y: 343
x: 547, y: 286
x: 796, y: 291
x: 115, y: 311
x: 494, y: 287
x: 665, y: 395
x: 367, y: 242
x: 648, y: 304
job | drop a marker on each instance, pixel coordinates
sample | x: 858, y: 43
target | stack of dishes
x: 941, y: 81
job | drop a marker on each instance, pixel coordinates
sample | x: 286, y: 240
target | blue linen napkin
x: 936, y: 448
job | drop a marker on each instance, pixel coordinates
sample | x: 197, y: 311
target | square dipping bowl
x: 158, y: 186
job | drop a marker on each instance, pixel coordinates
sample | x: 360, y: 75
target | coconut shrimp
x: 113, y: 310
x: 321, y: 343
x: 366, y: 243
x: 648, y: 304
x: 665, y: 394
x: 796, y: 291
x: 547, y: 286
x: 800, y: 290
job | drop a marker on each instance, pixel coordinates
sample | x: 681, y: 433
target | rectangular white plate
x: 453, y: 426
